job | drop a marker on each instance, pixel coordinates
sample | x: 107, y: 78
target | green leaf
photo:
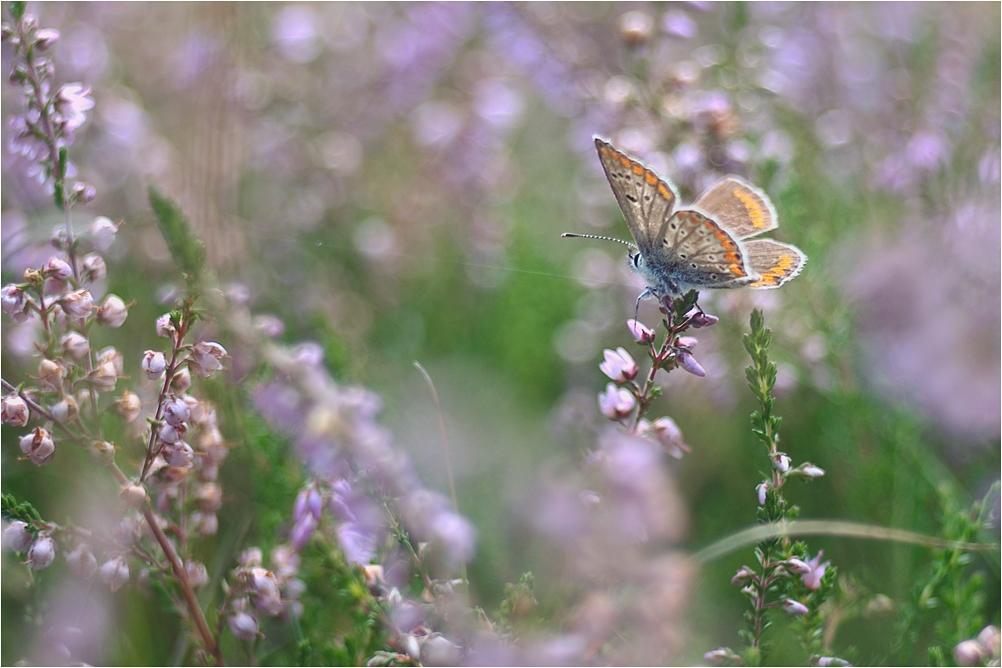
x: 17, y: 10
x: 186, y: 249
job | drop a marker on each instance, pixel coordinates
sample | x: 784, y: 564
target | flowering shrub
x: 251, y: 503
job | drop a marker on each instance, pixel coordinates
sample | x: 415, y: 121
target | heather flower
x: 46, y: 38
x: 57, y: 269
x: 72, y: 100
x: 179, y: 455
x: 437, y: 650
x: 16, y: 536
x: 114, y: 573
x: 743, y: 576
x: 65, y: 409
x: 42, y: 552
x: 667, y: 433
x: 761, y: 490
x: 810, y: 470
x: 181, y: 380
x: 101, y: 233
x: 38, y: 445
x: 616, y: 403
x: 198, y: 574
x: 101, y: 452
x: 77, y: 304
x: 792, y: 607
x: 165, y: 327
x: 154, y: 364
x: 14, y: 302
x: 641, y: 332
x: 703, y: 320
x: 14, y: 410
x: 75, y: 345
x: 92, y: 268
x: 132, y: 495
x: 176, y: 412
x: 308, y: 500
x: 81, y: 561
x: 618, y: 365
x: 689, y: 363
x: 635, y: 27
x: 969, y: 653
x: 302, y: 530
x: 206, y: 524
x: 722, y: 657
x: 266, y: 595
x: 781, y: 462
x: 129, y: 405
x: 991, y: 640
x: 243, y: 625
x: 814, y: 571
x: 205, y: 356
x: 113, y: 312
x: 50, y: 376
x: 105, y: 376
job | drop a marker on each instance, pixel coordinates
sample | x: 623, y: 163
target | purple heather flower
x: 205, y: 356
x: 57, y: 268
x: 761, y: 490
x: 703, y: 320
x: 641, y: 332
x: 308, y: 500
x: 618, y: 365
x: 969, y: 653
x: 616, y: 403
x: 176, y: 411
x: 243, y: 625
x: 41, y: 553
x: 689, y: 363
x: 72, y: 101
x: 154, y: 364
x: 815, y: 571
x: 792, y: 607
x: 302, y: 530
x: 16, y: 536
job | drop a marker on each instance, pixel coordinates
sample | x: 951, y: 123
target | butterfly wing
x: 775, y: 263
x: 646, y: 200
x: 739, y: 207
x: 697, y: 252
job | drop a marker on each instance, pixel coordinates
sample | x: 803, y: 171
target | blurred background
x: 391, y: 181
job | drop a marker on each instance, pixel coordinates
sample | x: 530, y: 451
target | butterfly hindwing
x: 646, y: 200
x: 774, y: 262
x: 739, y: 207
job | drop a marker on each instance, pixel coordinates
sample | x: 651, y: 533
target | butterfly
x: 705, y: 246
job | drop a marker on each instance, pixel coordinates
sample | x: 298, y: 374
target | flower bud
x: 101, y: 452
x: 641, y: 332
x: 75, y: 345
x: 267, y: 595
x: 243, y: 625
x: 205, y: 356
x: 179, y: 455
x: 761, y: 490
x: 66, y: 409
x: 82, y: 561
x: 114, y: 573
x: 689, y: 363
x: 154, y: 364
x: 308, y: 501
x: 437, y: 650
x: 50, y: 376
x: 618, y: 365
x: 84, y: 193
x: 792, y: 607
x: 181, y: 380
x: 176, y: 411
x: 132, y: 495
x: 38, y: 445
x: 781, y: 462
x: 195, y: 407
x: 113, y: 312
x: 165, y: 327
x: 78, y: 304
x: 743, y: 576
x: 102, y: 233
x: 46, y: 38
x: 14, y: 302
x: 41, y: 553
x: 57, y: 268
x: 93, y: 268
x: 687, y: 342
x: 16, y: 536
x: 811, y: 471
x: 14, y: 410
x: 724, y: 656
x: 991, y: 639
x: 703, y: 320
x: 105, y: 377
x: 198, y: 574
x: 129, y: 405
x: 969, y: 653
x: 616, y: 403
x: 669, y: 436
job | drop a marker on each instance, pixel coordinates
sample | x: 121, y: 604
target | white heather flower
x: 114, y: 573
x: 16, y: 536
x: 243, y: 625
x: 132, y: 495
x: 75, y: 345
x: 113, y: 312
x: 38, y: 445
x: 72, y: 101
x: 101, y: 452
x: 14, y: 410
x: 267, y: 595
x: 109, y: 354
x: 618, y: 365
x: 82, y: 561
x: 14, y: 302
x: 57, y: 269
x: 154, y: 364
x: 616, y: 403
x: 41, y: 553
x: 198, y: 574
x: 205, y: 356
x: 195, y: 407
x: 78, y: 304
x: 66, y: 409
x: 93, y: 268
x: 761, y: 490
x: 781, y: 462
x: 792, y: 607
x: 811, y: 471
x: 102, y: 233
x: 129, y: 405
x: 176, y: 411
x: 689, y: 342
x: 50, y: 376
x: 181, y: 380
x: 105, y: 377
x: 165, y: 327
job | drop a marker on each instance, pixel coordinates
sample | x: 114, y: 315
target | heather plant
x: 381, y: 183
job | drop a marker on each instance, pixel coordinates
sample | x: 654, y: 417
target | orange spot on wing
x: 664, y: 192
x: 777, y: 272
x: 650, y: 177
x: 755, y: 211
x: 637, y: 168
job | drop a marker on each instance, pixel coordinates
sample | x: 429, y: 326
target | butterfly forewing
x: 646, y: 200
x: 775, y: 263
x: 739, y: 207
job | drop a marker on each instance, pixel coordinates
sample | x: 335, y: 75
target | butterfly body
x: 705, y: 246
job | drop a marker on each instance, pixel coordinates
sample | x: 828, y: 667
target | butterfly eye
x: 636, y: 259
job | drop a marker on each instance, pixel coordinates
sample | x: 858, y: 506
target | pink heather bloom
x: 641, y: 332
x: 101, y: 233
x: 816, y: 571
x: 82, y: 561
x: 93, y: 268
x: 205, y: 356
x: 16, y: 536
x: 14, y: 302
x: 669, y: 436
x: 113, y: 312
x: 114, y: 573
x: 781, y: 462
x: 14, y: 410
x: 743, y: 576
x: 704, y: 320
x: 78, y: 304
x: 154, y: 364
x: 75, y: 345
x: 72, y: 101
x: 46, y: 38
x: 969, y: 653
x: 618, y: 365
x: 243, y: 625
x: 761, y: 490
x: 41, y: 553
x: 792, y: 607
x: 57, y: 269
x: 689, y: 342
x: 616, y: 403
x: 176, y: 411
x: 198, y: 574
x: 689, y: 363
x: 165, y: 327
x: 811, y: 471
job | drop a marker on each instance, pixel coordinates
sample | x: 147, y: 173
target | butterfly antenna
x: 571, y: 235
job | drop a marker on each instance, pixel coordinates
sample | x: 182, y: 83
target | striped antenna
x: 571, y: 235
